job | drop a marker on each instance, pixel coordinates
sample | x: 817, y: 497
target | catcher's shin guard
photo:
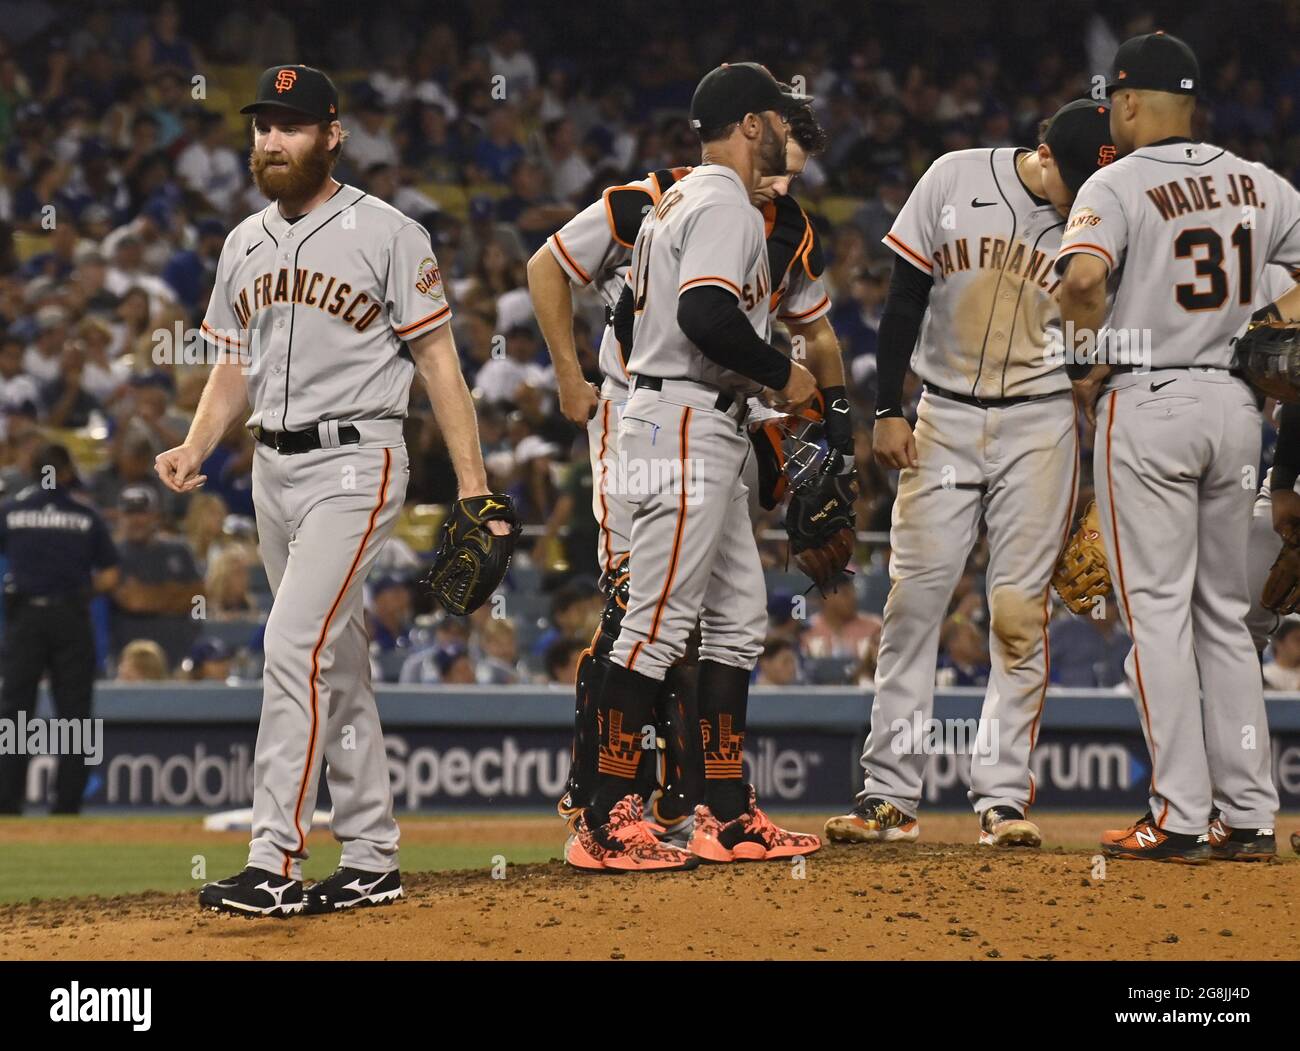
x: 723, y: 692
x: 586, y: 734
x: 681, y: 761
x: 625, y: 706
x: 616, y: 584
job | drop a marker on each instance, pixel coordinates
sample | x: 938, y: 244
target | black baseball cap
x: 727, y: 93
x: 1155, y: 62
x: 301, y: 88
x: 1078, y: 134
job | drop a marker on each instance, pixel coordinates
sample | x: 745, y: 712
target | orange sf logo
x: 1105, y: 155
x: 285, y: 79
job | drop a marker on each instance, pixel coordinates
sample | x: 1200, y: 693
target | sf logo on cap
x: 285, y: 79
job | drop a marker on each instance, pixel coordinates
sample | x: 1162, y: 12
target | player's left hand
x: 495, y: 525
x: 1087, y: 390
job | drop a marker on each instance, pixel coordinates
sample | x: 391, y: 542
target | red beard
x: 297, y: 180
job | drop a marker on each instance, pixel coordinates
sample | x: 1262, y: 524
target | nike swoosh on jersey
x: 249, y: 251
x: 1158, y: 386
x: 975, y: 202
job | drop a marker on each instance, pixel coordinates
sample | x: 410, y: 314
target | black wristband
x: 1286, y: 457
x: 839, y: 419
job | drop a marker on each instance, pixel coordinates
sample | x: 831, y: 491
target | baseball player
x: 594, y: 248
x: 1283, y: 511
x: 1278, y: 298
x: 700, y: 298
x: 325, y: 303
x: 1174, y: 442
x: 994, y: 441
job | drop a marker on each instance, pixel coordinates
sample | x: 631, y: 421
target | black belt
x: 725, y: 403
x: 289, y: 442
x: 989, y: 403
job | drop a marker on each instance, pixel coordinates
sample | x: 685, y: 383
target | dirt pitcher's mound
x: 928, y: 901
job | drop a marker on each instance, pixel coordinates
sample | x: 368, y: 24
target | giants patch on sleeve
x: 428, y: 279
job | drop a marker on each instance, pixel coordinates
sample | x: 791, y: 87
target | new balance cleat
x: 1241, y: 844
x: 873, y: 821
x: 1147, y: 841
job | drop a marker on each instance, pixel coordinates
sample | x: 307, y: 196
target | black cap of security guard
x: 1155, y: 62
x: 302, y: 88
x: 734, y: 89
x: 1078, y: 134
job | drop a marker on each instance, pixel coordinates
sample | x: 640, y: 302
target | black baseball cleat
x: 349, y: 888
x: 253, y: 892
x: 1241, y: 844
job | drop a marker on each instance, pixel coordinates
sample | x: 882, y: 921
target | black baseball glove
x: 820, y: 522
x: 471, y: 560
x: 1268, y: 355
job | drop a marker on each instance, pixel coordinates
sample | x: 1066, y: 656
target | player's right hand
x: 798, y: 391
x: 1286, y: 515
x: 179, y: 468
x: 579, y: 402
x: 894, y: 443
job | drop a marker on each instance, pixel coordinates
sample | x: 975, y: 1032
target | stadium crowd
x: 123, y: 166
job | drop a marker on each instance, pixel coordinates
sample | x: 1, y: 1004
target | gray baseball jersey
x: 355, y: 274
x: 594, y: 248
x: 1186, y: 230
x: 322, y: 307
x: 1200, y: 225
x: 988, y: 243
x: 703, y: 231
x: 1009, y: 464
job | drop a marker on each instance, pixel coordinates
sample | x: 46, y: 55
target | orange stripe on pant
x: 1128, y: 610
x: 315, y: 660
x: 683, y: 442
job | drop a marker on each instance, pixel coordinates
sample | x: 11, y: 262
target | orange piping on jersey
x: 315, y: 657
x: 709, y: 281
x: 806, y: 248
x: 678, y: 175
x: 415, y: 326
x: 913, y: 255
x: 799, y: 317
x: 609, y: 211
x: 586, y: 279
x: 1087, y: 246
x: 219, y: 337
x: 678, y: 534
x: 1128, y: 610
x: 604, y: 507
